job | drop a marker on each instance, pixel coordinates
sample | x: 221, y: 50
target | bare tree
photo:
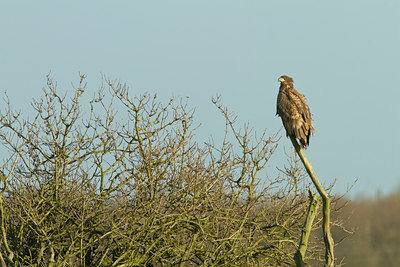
x: 120, y: 180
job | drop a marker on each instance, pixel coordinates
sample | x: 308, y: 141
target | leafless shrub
x: 123, y: 182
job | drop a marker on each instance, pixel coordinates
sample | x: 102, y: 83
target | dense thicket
x: 119, y: 180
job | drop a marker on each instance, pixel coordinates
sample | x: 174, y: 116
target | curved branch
x: 306, y: 231
x: 328, y: 240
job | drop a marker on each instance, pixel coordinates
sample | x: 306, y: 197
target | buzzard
x: 292, y: 107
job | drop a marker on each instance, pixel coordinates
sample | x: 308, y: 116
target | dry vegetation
x: 119, y: 181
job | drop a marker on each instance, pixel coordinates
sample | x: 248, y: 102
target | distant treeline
x: 376, y: 226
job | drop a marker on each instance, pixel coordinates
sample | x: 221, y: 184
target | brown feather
x: 294, y: 112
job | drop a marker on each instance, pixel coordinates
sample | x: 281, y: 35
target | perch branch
x: 328, y: 240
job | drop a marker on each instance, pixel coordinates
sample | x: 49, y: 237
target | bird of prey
x: 292, y: 107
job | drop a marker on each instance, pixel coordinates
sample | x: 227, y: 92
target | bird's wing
x: 302, y: 108
x: 288, y: 111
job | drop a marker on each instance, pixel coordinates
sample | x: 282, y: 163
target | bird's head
x: 286, y: 81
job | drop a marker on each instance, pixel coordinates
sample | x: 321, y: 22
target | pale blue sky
x: 343, y: 55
